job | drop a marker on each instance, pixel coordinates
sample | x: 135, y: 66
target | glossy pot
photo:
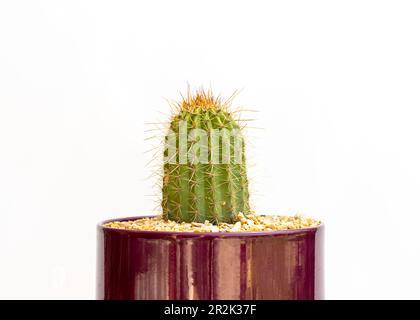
x: 186, y: 265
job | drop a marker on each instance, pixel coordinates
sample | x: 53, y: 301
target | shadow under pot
x: 152, y: 265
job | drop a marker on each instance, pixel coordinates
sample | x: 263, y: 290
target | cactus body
x: 205, y: 174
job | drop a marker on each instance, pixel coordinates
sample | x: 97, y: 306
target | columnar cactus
x: 204, y: 174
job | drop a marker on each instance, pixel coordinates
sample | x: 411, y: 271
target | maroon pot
x: 186, y: 265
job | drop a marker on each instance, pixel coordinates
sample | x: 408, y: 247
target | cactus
x: 204, y: 174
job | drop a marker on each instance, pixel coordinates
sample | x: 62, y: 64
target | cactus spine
x: 204, y: 174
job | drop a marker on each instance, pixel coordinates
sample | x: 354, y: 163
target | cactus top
x: 204, y: 172
x: 203, y: 100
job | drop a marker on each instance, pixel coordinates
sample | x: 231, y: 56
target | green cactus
x: 204, y: 174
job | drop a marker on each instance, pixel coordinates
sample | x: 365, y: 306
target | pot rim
x: 190, y: 234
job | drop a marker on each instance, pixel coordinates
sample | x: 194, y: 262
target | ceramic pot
x: 221, y: 266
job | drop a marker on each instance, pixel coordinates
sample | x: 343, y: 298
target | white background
x: 336, y: 84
